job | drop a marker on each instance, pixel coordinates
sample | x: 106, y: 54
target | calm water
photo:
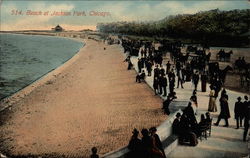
x: 26, y: 58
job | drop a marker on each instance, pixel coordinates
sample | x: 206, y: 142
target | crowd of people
x: 242, y: 113
x: 164, y: 79
x: 187, y: 127
x: 149, y: 146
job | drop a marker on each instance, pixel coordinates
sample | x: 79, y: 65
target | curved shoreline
x: 63, y: 96
x: 43, y: 79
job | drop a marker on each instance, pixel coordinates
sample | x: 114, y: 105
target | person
x: 164, y: 85
x: 184, y: 127
x: 193, y: 100
x: 160, y: 87
x: 176, y: 124
x: 245, y: 105
x: 158, y: 150
x: 238, y: 112
x: 224, y: 113
x: 217, y: 85
x: 186, y: 132
x: 130, y: 65
x: 189, y: 112
x: 140, y: 77
x: 246, y: 121
x: 166, y: 104
x: 196, y: 80
x: 155, y: 84
x: 147, y: 144
x: 246, y: 117
x: 162, y: 71
x: 168, y: 65
x: 178, y: 66
x: 171, y: 85
x: 94, y: 153
x: 202, y: 125
x: 202, y: 120
x: 180, y: 79
x: 212, y: 107
x: 139, y: 64
x: 149, y: 67
x: 135, y: 145
x: 224, y: 93
x: 204, y: 82
x: 156, y: 71
x: 208, y: 117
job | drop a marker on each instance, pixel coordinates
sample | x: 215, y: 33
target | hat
x: 153, y: 129
x: 135, y: 131
x: 246, y: 97
x: 178, y: 114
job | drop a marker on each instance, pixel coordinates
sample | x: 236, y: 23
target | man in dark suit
x: 196, y: 80
x: 238, y: 113
x: 139, y: 64
x: 224, y: 113
x: 164, y: 85
x: 247, y: 117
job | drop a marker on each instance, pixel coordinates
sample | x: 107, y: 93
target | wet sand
x: 92, y: 100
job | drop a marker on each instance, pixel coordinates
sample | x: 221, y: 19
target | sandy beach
x: 92, y: 100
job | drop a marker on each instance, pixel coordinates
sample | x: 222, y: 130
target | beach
x: 91, y: 100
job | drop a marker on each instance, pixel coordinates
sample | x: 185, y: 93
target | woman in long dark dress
x: 224, y: 113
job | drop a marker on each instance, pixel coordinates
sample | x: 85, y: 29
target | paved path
x: 224, y: 142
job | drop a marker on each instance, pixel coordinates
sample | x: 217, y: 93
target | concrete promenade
x: 224, y: 141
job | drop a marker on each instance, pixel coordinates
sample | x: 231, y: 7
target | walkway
x: 224, y: 142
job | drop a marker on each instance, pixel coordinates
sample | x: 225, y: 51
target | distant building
x: 58, y: 28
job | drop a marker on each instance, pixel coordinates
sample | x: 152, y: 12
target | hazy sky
x: 118, y: 10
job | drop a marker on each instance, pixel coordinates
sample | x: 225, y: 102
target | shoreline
x: 43, y: 79
x: 25, y: 108
x: 56, y: 73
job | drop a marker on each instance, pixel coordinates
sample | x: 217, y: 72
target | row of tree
x: 214, y: 26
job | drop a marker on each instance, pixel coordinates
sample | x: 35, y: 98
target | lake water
x: 26, y: 58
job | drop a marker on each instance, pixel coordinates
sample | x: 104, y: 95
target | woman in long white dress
x: 212, y: 107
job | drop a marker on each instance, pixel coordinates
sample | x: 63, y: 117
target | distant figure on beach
x: 135, y: 145
x: 224, y: 113
x: 238, y: 112
x: 94, y: 153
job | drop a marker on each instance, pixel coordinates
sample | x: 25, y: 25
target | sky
x: 79, y: 15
